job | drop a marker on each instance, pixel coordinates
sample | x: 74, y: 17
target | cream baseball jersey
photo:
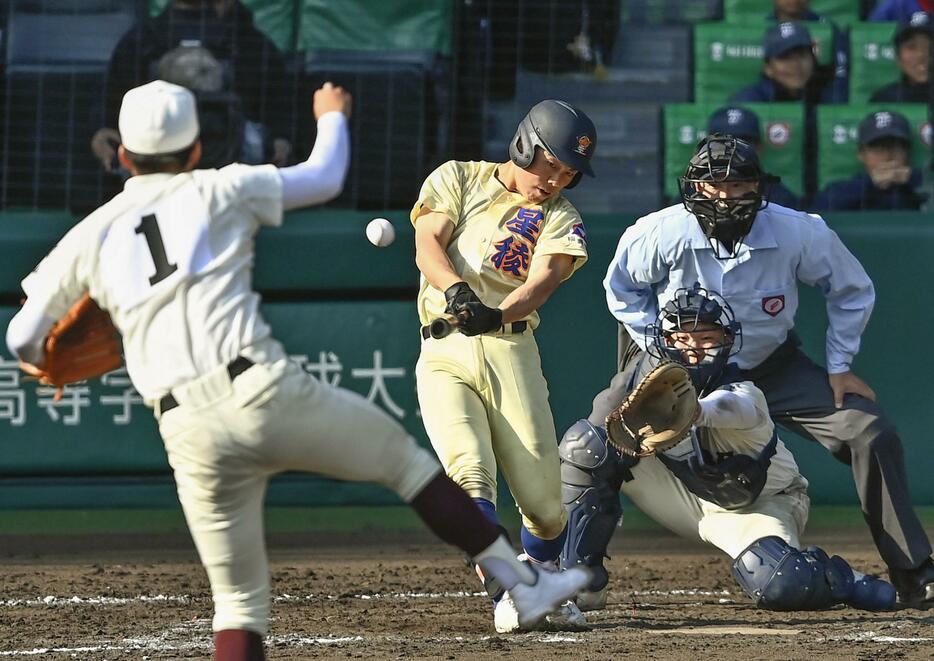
x: 724, y: 440
x: 171, y: 259
x: 496, y: 233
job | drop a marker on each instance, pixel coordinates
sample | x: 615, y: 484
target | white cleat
x: 505, y: 615
x: 592, y: 601
x: 568, y: 617
x: 533, y: 602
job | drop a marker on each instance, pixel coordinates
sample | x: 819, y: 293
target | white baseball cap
x: 158, y: 118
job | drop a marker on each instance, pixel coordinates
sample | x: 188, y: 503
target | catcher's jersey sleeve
x: 497, y: 233
x: 724, y: 440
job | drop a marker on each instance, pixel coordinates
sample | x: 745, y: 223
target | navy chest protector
x: 732, y: 483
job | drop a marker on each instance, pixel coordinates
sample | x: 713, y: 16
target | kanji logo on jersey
x: 514, y: 253
x: 772, y: 305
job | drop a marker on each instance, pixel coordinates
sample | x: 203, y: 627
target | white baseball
x: 380, y: 232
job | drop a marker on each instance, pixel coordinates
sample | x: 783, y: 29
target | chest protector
x: 732, y: 483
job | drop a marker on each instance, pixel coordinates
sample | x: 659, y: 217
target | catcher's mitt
x: 657, y: 414
x: 81, y: 345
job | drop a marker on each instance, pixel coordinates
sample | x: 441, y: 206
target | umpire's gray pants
x: 859, y: 434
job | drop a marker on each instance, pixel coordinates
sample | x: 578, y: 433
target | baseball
x: 380, y: 232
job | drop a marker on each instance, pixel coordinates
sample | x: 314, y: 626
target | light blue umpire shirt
x: 667, y: 250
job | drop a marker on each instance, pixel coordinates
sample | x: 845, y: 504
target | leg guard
x: 590, y: 481
x: 867, y: 593
x: 779, y: 577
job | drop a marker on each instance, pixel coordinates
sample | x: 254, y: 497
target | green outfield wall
x: 346, y: 310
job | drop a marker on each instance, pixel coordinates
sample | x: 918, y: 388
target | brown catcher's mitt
x: 81, y: 345
x: 657, y: 414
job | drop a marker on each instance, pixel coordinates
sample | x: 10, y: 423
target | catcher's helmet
x: 720, y: 158
x: 561, y: 129
x: 693, y: 310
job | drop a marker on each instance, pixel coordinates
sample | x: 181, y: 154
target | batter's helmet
x: 720, y: 158
x: 559, y: 128
x: 696, y: 309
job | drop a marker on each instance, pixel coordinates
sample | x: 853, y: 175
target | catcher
x: 693, y: 447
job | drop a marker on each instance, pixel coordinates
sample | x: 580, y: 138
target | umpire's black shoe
x: 915, y: 586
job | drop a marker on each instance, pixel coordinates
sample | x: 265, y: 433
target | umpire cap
x: 562, y: 130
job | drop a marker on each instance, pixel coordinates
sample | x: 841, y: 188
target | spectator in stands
x: 913, y: 53
x: 899, y: 10
x: 744, y: 124
x: 253, y: 67
x: 800, y: 10
x: 889, y: 182
x: 790, y: 71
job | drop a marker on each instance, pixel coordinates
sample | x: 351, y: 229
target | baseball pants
x: 227, y: 438
x: 663, y: 497
x: 859, y: 434
x: 484, y: 403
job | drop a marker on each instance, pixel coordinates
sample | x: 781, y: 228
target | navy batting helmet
x: 562, y: 130
x: 691, y: 310
x: 721, y: 158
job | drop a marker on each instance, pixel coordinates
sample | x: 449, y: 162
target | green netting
x: 837, y: 139
x: 843, y: 12
x: 782, y: 139
x: 372, y: 25
x: 275, y: 18
x: 872, y: 59
x: 728, y: 57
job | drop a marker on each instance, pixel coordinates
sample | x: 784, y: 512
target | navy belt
x: 235, y: 368
x: 509, y: 328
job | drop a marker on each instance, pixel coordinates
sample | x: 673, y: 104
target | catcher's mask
x: 726, y: 221
x: 562, y: 130
x: 691, y: 311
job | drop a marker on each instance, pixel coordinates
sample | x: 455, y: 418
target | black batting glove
x: 481, y: 319
x: 458, y: 296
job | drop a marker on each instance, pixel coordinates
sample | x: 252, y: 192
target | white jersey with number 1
x: 171, y: 259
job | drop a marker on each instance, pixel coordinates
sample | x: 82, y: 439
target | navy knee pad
x: 590, y: 481
x: 778, y: 577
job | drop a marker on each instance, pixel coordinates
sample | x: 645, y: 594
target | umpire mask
x: 725, y: 220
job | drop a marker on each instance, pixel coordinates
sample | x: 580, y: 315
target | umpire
x: 728, y: 238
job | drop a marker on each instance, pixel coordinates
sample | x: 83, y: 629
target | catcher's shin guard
x: 590, y: 481
x: 782, y: 578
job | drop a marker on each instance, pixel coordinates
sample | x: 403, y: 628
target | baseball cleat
x: 915, y: 587
x: 567, y: 617
x: 505, y: 615
x: 592, y: 601
x: 534, y: 602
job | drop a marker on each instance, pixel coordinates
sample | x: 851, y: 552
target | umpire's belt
x: 509, y: 328
x: 235, y: 368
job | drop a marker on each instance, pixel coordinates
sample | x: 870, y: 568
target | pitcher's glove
x: 82, y: 345
x: 657, y: 414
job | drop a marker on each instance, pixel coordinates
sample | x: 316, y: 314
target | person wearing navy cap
x: 913, y: 53
x: 744, y: 124
x: 790, y: 71
x: 800, y: 10
x: 888, y: 182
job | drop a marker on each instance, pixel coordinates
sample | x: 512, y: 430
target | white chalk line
x: 101, y: 600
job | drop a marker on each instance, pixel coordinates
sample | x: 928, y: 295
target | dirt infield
x: 394, y: 597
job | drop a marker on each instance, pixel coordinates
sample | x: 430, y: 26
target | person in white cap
x: 170, y: 258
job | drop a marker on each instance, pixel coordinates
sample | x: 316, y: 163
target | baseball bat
x: 442, y: 327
